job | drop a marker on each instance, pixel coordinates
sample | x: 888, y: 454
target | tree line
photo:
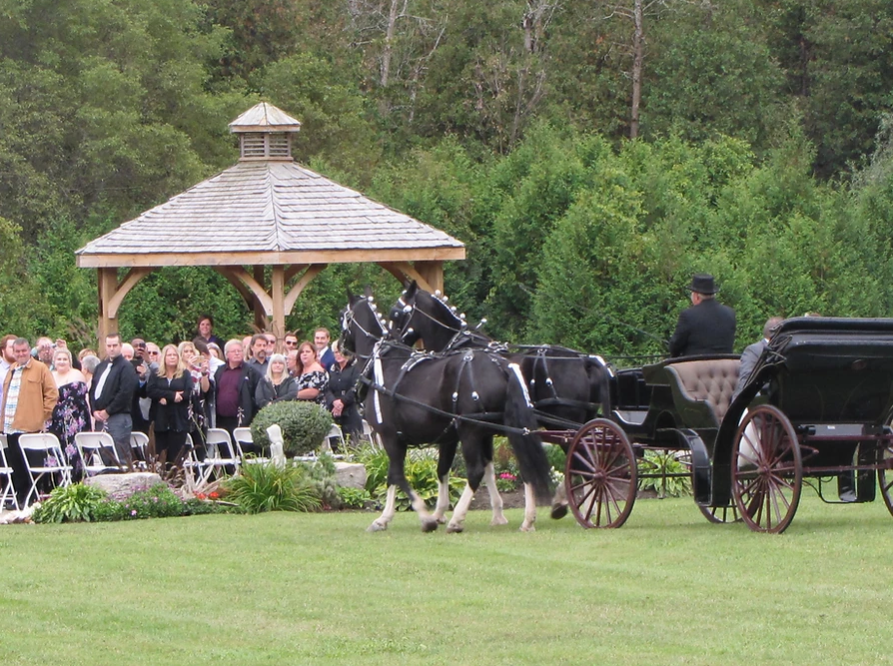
x: 590, y: 154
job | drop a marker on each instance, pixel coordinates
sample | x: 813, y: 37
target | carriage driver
x: 708, y: 326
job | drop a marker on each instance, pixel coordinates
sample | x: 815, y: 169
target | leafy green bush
x: 267, y: 487
x: 658, y: 465
x: 321, y: 474
x: 77, y: 502
x: 304, y: 425
x: 556, y: 456
x: 354, y: 498
x: 421, y: 472
x: 198, y: 507
x: 159, y: 501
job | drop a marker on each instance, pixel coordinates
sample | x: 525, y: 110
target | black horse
x: 463, y: 397
x: 566, y: 386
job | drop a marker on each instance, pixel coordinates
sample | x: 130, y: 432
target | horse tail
x: 527, y: 446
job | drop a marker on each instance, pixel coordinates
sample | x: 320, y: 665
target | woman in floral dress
x: 312, y: 377
x: 72, y: 412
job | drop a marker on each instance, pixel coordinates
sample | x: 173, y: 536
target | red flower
x: 200, y: 496
x: 214, y: 495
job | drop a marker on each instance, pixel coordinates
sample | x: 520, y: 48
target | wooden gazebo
x: 267, y: 210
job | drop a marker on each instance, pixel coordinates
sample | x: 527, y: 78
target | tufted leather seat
x: 712, y: 381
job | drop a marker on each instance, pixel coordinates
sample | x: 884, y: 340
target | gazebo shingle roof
x: 266, y: 211
x: 268, y: 207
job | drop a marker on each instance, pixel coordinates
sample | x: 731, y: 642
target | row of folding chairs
x: 53, y: 465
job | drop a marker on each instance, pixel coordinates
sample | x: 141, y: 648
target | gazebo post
x: 258, y: 308
x: 108, y: 285
x: 432, y: 271
x: 277, y: 292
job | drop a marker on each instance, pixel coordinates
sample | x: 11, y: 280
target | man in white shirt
x: 7, y: 358
x: 324, y: 355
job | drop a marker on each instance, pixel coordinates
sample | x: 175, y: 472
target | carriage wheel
x: 885, y: 474
x: 601, y: 475
x: 721, y: 514
x: 767, y: 470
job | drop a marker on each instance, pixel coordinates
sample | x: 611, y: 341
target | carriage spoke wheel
x: 885, y: 474
x: 767, y: 470
x: 721, y: 514
x: 601, y: 475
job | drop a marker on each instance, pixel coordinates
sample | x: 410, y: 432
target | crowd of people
x: 171, y: 391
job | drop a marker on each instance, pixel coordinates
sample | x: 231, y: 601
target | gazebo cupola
x: 265, y: 134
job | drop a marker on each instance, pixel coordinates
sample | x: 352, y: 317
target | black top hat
x: 702, y: 283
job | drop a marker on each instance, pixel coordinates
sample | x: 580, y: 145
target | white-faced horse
x: 462, y: 398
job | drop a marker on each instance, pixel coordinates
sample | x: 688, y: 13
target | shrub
x: 421, y: 472
x: 304, y: 425
x: 267, y: 487
x: 321, y: 474
x: 506, y: 482
x: 77, y: 502
x: 198, y: 507
x: 159, y: 501
x: 354, y: 498
x: 658, y: 464
x: 556, y: 456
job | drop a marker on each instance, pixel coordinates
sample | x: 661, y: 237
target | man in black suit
x: 708, y: 326
x: 111, y: 395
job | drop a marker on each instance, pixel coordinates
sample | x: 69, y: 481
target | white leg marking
x: 443, y: 500
x: 390, y: 508
x: 495, y: 497
x: 529, y: 509
x: 458, y: 520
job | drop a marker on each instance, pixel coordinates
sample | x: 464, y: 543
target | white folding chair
x: 193, y: 468
x: 222, y: 453
x: 95, y: 449
x: 243, y: 436
x: 139, y: 442
x: 371, y: 435
x: 46, y: 446
x: 335, y: 439
x: 9, y: 493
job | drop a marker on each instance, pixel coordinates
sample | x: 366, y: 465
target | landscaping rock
x: 350, y: 475
x: 122, y: 486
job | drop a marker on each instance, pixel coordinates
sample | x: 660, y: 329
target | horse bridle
x: 349, y: 317
x: 412, y: 309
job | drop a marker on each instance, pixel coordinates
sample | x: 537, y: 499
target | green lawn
x: 667, y: 588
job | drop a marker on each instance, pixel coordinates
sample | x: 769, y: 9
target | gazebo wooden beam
x: 134, y: 275
x: 368, y: 256
x: 294, y: 292
x: 429, y: 278
x: 244, y: 291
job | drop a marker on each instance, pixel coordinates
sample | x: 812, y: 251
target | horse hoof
x: 441, y: 520
x: 500, y: 520
x: 429, y: 525
x: 377, y: 527
x: 559, y: 511
x: 527, y: 528
x: 455, y: 529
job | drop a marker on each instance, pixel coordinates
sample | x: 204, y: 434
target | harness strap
x: 481, y: 418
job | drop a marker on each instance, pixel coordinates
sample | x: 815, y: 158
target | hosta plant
x: 66, y: 504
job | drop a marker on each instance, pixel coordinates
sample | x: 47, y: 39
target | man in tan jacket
x: 29, y: 397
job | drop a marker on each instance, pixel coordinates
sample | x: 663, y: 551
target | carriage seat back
x: 712, y: 381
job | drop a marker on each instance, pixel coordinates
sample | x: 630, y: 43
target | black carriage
x: 817, y: 406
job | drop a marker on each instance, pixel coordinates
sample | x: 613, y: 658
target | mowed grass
x: 667, y: 588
